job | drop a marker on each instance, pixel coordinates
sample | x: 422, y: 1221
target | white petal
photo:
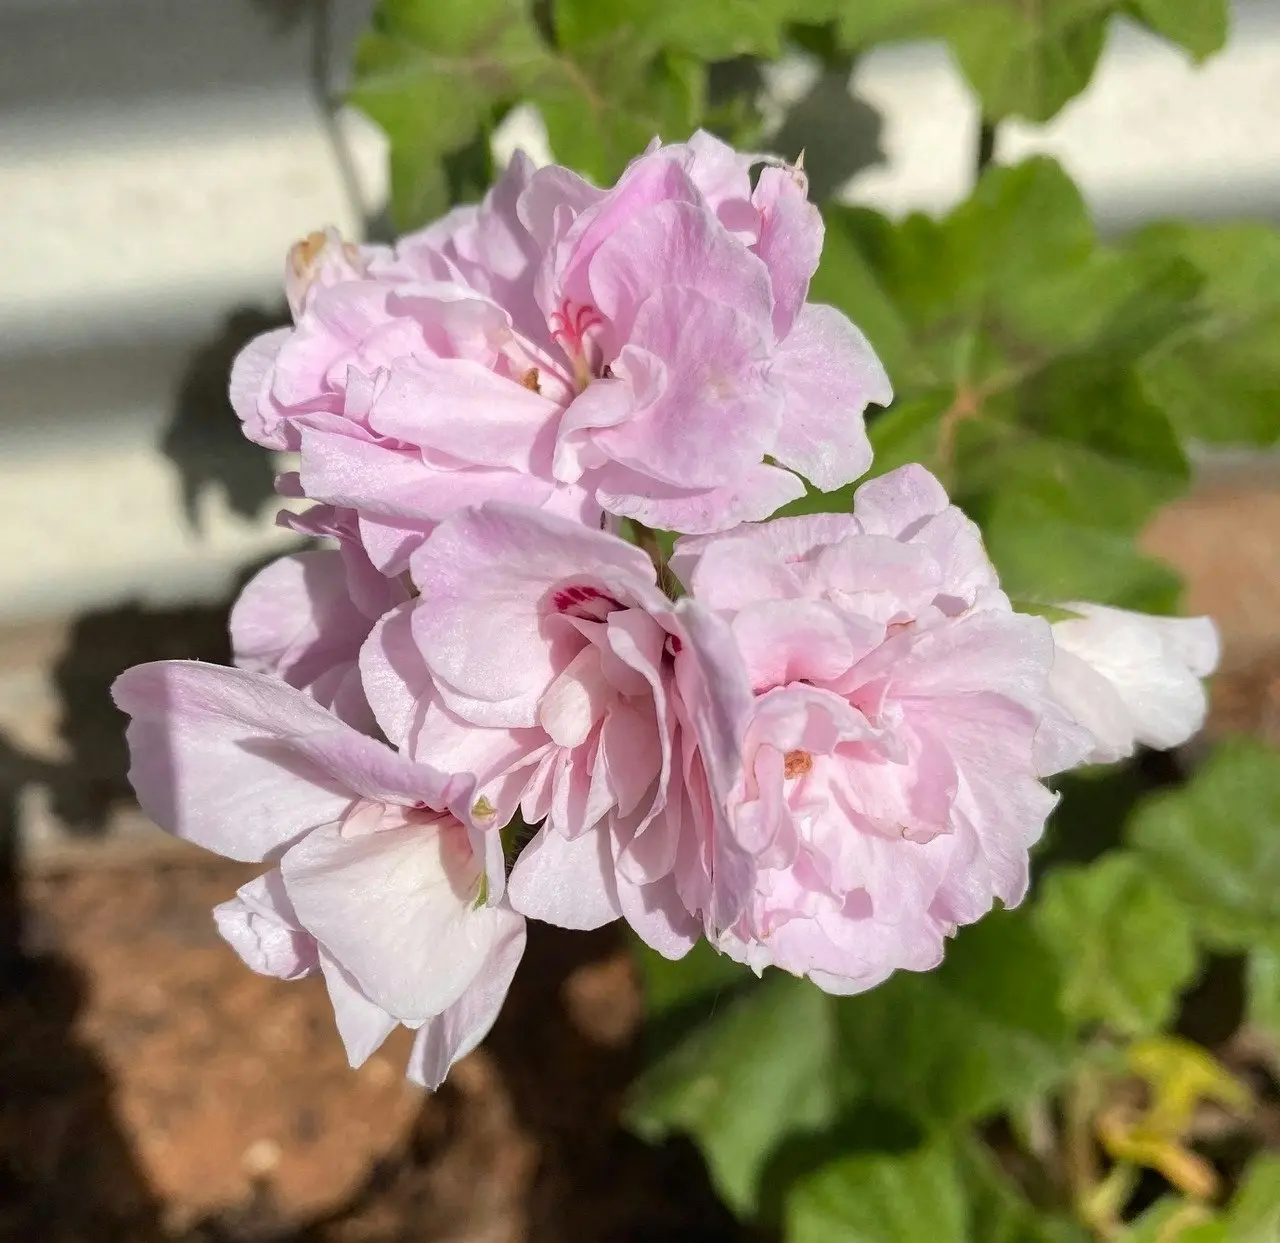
x: 1153, y: 664
x: 397, y: 910
x: 445, y: 1039
x: 362, y: 1025
x: 208, y: 760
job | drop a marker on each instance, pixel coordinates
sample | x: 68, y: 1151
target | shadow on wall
x: 203, y: 439
x: 838, y: 133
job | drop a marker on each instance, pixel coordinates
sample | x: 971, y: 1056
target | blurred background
x: 157, y: 159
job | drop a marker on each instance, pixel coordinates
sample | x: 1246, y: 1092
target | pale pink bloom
x: 679, y: 297
x: 304, y: 617
x: 565, y: 347
x: 889, y: 786
x: 542, y: 659
x: 378, y: 885
x: 1130, y: 678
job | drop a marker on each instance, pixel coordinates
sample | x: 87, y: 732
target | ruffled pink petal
x: 716, y: 417
x: 467, y: 410
x: 565, y: 881
x: 261, y: 420
x: 760, y: 492
x: 362, y: 1025
x: 678, y: 245
x: 789, y: 241
x: 828, y: 374
x: 492, y: 575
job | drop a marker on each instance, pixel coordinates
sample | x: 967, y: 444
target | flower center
x: 583, y: 600
x: 303, y: 254
x: 796, y: 764
x: 569, y: 328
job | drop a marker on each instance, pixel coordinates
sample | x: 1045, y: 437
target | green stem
x: 647, y: 539
x: 986, y: 145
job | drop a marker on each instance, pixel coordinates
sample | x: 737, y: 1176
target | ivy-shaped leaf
x: 1216, y: 843
x: 1218, y: 379
x: 1014, y: 342
x: 1026, y: 59
x: 615, y: 84
x: 945, y: 1192
x: 981, y: 1032
x: 1254, y: 1213
x: 760, y: 1068
x: 914, y: 1198
x: 433, y: 74
x: 1262, y: 980
x: 1123, y: 940
x: 1200, y: 26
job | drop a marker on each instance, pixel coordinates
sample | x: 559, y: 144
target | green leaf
x: 1216, y: 843
x: 1200, y: 26
x: 433, y: 73
x: 1218, y: 379
x: 1015, y: 343
x: 981, y: 1032
x: 1123, y: 941
x: 915, y: 1198
x: 941, y: 1193
x: 1042, y: 557
x: 615, y: 84
x: 1025, y: 59
x: 438, y: 74
x: 758, y: 1070
x: 1254, y: 1213
x: 1174, y: 1221
x: 708, y: 29
x: 701, y: 975
x: 719, y: 30
x: 1262, y: 982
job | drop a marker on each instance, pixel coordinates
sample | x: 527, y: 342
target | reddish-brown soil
x: 156, y: 1089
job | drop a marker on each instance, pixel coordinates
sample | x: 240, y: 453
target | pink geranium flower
x: 571, y: 348
x: 542, y: 660
x: 890, y: 780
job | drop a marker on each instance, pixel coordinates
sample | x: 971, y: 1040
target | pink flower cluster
x: 820, y: 743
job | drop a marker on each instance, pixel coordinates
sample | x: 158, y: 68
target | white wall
x: 157, y: 157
